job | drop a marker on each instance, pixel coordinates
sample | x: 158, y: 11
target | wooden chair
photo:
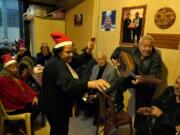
x: 23, y: 116
x: 121, y: 118
x: 109, y: 117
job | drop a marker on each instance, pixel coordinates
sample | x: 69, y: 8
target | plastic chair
x: 23, y: 116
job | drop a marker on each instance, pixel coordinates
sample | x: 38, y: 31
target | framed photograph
x: 132, y: 24
x: 78, y: 20
x: 108, y: 20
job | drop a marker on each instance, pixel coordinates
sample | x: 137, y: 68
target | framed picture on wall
x: 132, y: 24
x: 108, y: 20
x: 78, y: 20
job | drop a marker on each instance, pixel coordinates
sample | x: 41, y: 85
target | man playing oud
x: 148, y: 63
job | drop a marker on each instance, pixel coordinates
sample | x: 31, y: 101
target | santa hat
x: 7, y: 59
x: 21, y: 44
x: 60, y: 40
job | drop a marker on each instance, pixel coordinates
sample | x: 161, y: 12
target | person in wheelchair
x: 164, y: 113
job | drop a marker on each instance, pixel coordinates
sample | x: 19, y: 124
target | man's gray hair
x: 147, y: 37
x: 101, y: 54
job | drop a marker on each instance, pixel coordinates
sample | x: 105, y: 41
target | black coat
x: 171, y: 112
x: 139, y: 28
x: 59, y: 88
x: 41, y: 59
x: 165, y: 124
x: 126, y: 31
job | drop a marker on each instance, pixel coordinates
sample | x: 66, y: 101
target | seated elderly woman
x: 16, y: 95
x: 164, y: 114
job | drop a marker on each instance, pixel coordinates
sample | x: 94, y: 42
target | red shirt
x: 11, y: 94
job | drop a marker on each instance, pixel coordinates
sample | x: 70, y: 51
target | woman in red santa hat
x: 61, y: 85
x: 16, y: 96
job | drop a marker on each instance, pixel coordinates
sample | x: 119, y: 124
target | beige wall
x: 80, y: 35
x: 171, y: 59
x: 41, y: 29
x: 153, y: 6
x: 108, y: 41
x: 111, y: 40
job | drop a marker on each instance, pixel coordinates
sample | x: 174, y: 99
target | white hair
x: 101, y: 54
x: 147, y: 37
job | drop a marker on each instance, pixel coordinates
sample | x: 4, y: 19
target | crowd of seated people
x: 19, y: 89
x: 16, y: 75
x: 20, y: 68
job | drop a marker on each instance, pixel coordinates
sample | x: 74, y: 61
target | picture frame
x: 78, y: 20
x: 108, y: 20
x: 132, y: 24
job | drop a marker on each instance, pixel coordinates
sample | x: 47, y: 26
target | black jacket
x: 166, y: 123
x: 59, y: 88
x: 171, y: 112
x: 41, y: 59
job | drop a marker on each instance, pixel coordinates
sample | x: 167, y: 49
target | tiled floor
x: 78, y: 126
x: 81, y: 126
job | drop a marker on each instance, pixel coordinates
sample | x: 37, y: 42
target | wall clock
x: 164, y: 18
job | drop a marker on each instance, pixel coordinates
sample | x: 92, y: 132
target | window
x: 9, y: 20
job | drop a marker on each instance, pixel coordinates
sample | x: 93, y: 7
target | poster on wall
x: 108, y: 20
x: 78, y: 20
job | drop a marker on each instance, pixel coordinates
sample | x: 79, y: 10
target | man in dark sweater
x: 147, y: 62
